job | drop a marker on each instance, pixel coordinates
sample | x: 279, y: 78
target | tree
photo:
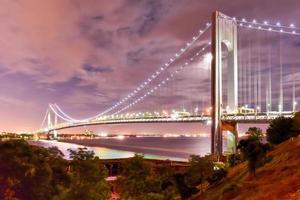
x: 254, y: 133
x: 140, y: 181
x: 217, y: 176
x: 253, y: 150
x: 87, y: 177
x: 36, y: 173
x: 28, y: 171
x: 200, y: 169
x: 234, y: 159
x: 296, y: 124
x: 281, y: 129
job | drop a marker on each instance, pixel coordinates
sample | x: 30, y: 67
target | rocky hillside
x: 279, y: 179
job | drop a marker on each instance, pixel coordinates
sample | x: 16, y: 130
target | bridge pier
x: 232, y: 128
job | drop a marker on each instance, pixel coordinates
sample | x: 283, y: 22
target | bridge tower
x: 224, y: 31
x: 50, y: 124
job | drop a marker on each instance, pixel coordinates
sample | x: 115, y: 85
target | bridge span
x: 259, y: 118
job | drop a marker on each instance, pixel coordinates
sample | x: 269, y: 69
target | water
x: 179, y: 148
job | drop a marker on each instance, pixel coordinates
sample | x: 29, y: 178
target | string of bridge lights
x: 163, y: 82
x: 159, y: 71
x: 58, y: 111
x: 267, y: 26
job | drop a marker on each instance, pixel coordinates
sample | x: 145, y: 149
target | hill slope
x: 277, y: 179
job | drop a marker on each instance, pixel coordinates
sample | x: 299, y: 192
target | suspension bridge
x: 251, y: 76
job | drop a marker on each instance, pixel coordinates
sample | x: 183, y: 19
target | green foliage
x: 87, y: 177
x: 32, y: 166
x: 254, y: 133
x: 139, y: 181
x: 35, y: 173
x: 234, y: 159
x: 217, y: 176
x: 184, y: 190
x: 200, y: 169
x: 253, y: 150
x: 281, y: 129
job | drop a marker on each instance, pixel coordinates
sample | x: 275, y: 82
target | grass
x: 277, y: 179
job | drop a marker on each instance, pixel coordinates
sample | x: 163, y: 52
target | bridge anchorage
x: 244, y: 101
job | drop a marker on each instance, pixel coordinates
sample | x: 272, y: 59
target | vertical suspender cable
x: 280, y: 105
x: 259, y: 75
x: 294, y: 88
x: 270, y: 74
x: 249, y: 73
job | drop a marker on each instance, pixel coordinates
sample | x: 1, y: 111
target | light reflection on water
x: 101, y: 152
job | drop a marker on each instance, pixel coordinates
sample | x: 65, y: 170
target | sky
x: 85, y: 55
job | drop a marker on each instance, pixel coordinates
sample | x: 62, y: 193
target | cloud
x: 92, y: 69
x: 69, y: 51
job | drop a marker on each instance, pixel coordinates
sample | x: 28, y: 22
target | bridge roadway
x: 238, y: 118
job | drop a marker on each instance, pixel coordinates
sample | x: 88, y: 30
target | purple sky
x: 85, y: 55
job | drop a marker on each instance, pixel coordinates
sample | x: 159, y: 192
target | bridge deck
x: 239, y: 118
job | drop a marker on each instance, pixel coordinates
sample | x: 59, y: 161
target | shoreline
x: 103, y: 152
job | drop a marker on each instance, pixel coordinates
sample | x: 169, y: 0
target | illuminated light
x: 162, y: 69
x: 203, y: 49
x: 294, y: 32
x: 200, y: 31
x: 241, y: 24
x: 292, y: 25
x: 186, y: 63
x: 197, y: 54
x: 209, y: 43
x: 194, y: 38
x: 157, y: 72
x: 176, y: 55
x: 234, y: 18
x: 208, y: 58
x: 277, y: 24
x: 270, y: 29
x: 295, y: 102
x: 188, y: 44
x: 281, y: 30
x: 182, y: 50
x: 265, y: 23
x: 250, y: 26
x: 103, y: 134
x: 120, y: 137
x: 149, y: 79
x: 167, y: 79
x: 207, y: 24
x: 259, y: 27
x: 171, y: 60
x: 166, y: 64
x: 244, y: 20
x: 254, y: 21
x: 192, y: 59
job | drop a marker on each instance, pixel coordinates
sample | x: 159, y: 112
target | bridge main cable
x: 163, y: 82
x: 138, y: 89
